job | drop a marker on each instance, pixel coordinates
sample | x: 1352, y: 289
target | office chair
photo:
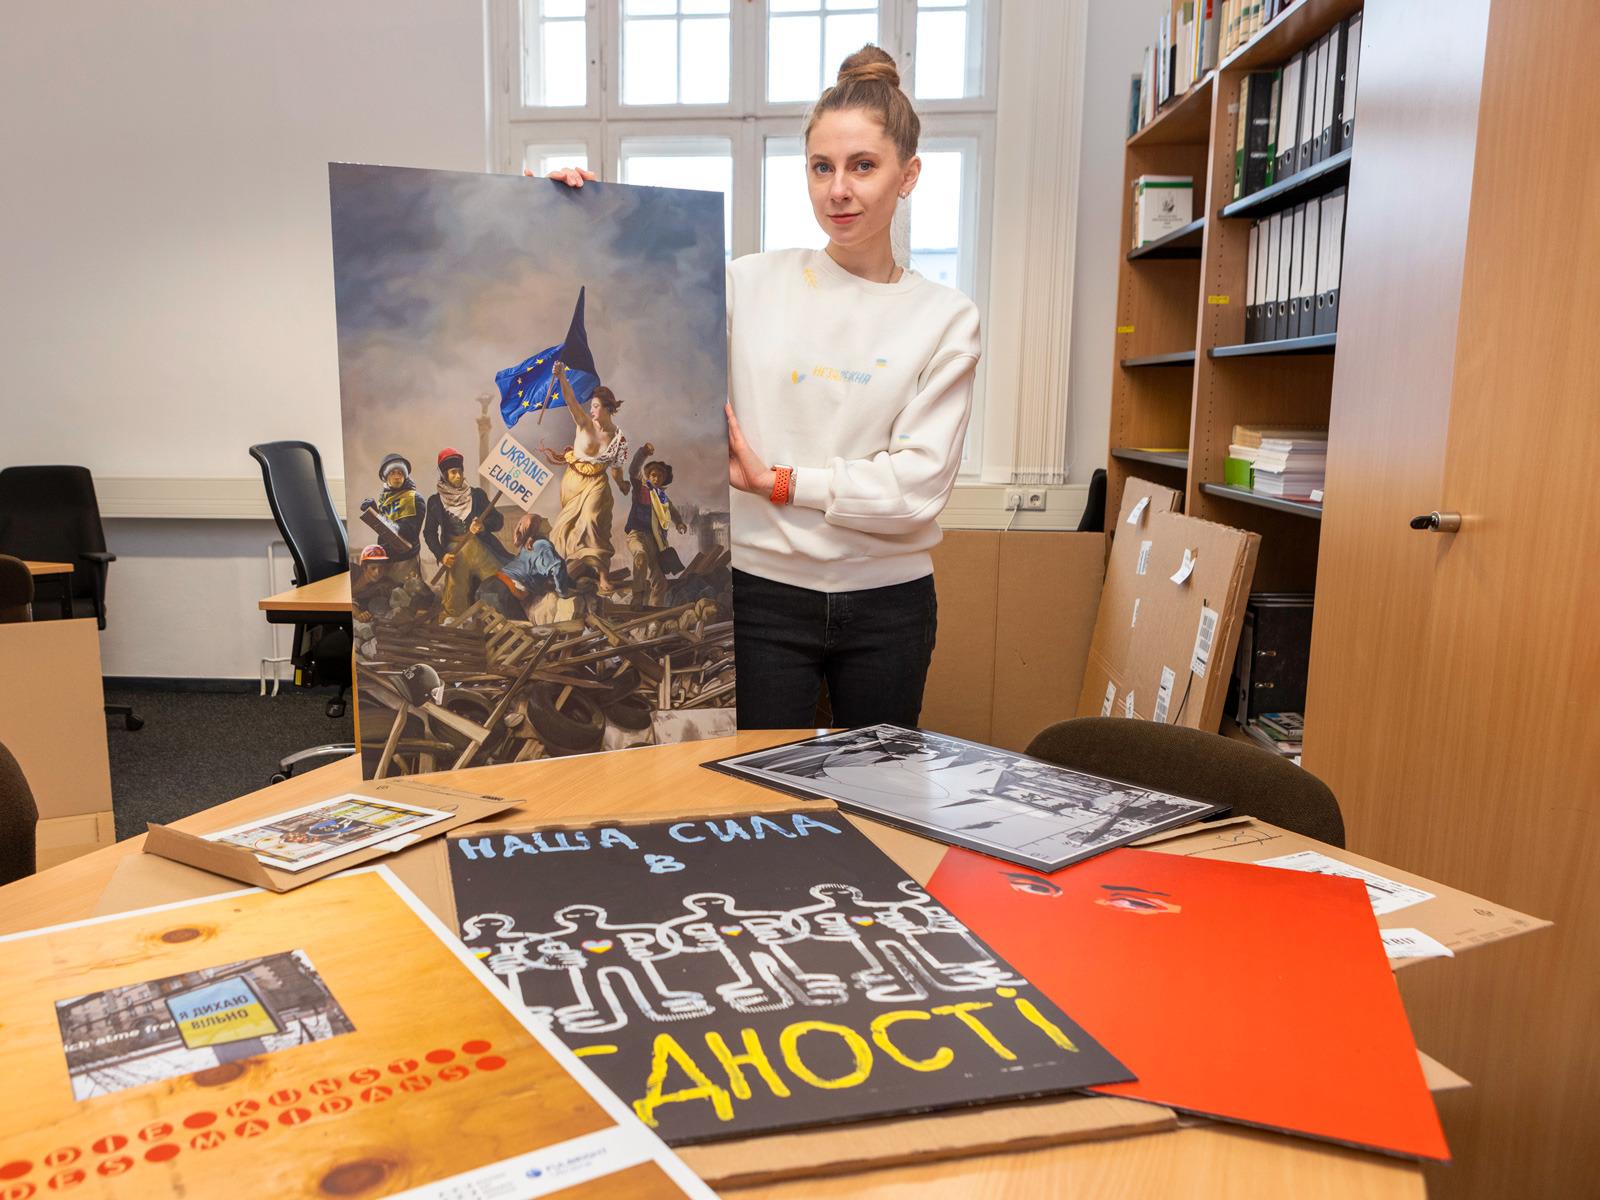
x: 1205, y: 766
x: 1094, y: 504
x: 16, y: 590
x: 19, y: 820
x: 297, y: 491
x: 51, y: 514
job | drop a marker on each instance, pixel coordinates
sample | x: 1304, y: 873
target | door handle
x: 1438, y: 522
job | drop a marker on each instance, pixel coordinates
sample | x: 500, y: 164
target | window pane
x: 779, y: 6
x: 794, y: 53
x: 705, y: 72
x: 649, y: 62
x: 941, y: 55
x: 691, y: 7
x: 847, y: 34
x: 786, y: 217
x: 836, y: 5
x: 554, y: 156
x: 555, y: 54
x: 650, y: 8
x: 936, y: 217
x: 702, y: 164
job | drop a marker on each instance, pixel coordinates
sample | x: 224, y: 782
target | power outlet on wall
x: 1031, y: 500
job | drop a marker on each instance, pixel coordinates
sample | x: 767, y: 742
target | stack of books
x: 1188, y: 37
x: 1280, y: 732
x: 1289, y: 462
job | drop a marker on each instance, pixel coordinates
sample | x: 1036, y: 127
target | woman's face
x: 855, y: 176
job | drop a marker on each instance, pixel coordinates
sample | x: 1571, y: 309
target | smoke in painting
x: 532, y: 380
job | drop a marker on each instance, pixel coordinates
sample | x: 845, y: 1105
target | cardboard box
x: 60, y: 839
x: 1016, y: 616
x: 1161, y: 204
x: 52, y: 714
x: 1170, y: 614
x: 1458, y: 919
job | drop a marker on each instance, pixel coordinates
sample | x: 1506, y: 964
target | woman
x: 850, y: 380
x: 582, y: 531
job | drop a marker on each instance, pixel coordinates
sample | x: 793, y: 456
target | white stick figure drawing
x: 843, y: 918
x: 582, y: 940
x: 952, y: 960
x: 752, y: 943
x: 504, y: 949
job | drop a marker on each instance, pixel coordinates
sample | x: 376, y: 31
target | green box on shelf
x: 1236, y: 472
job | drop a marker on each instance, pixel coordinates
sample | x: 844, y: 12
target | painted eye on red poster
x: 1032, y: 885
x: 1137, y: 900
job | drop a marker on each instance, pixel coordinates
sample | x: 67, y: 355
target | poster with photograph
x: 335, y: 1040
x: 316, y: 833
x: 532, y: 382
x: 1016, y: 808
x: 756, y: 973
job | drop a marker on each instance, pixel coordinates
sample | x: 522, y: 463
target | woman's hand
x: 746, y: 471
x: 571, y: 176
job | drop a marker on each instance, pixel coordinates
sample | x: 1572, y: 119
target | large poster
x: 335, y: 1040
x: 747, y: 974
x: 535, y: 462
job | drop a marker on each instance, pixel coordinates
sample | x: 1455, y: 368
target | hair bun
x: 869, y: 64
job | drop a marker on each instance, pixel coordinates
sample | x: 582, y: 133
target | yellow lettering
x: 880, y: 1037
x: 788, y: 1042
x: 753, y: 1056
x: 1053, y: 1031
x: 586, y: 1051
x: 963, y: 1013
x: 663, y: 1054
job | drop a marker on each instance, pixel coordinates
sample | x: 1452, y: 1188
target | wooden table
x: 327, y: 598
x: 46, y: 568
x: 1205, y: 1160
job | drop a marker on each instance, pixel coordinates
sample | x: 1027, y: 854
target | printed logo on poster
x: 517, y: 471
x: 227, y: 1011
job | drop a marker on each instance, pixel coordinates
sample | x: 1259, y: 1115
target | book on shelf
x: 1135, y: 112
x: 1254, y: 435
x: 1162, y: 204
x: 1272, y: 736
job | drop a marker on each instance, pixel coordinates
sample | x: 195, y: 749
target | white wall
x: 167, y: 291
x: 1119, y: 30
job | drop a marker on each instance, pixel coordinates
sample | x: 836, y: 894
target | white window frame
x: 746, y: 120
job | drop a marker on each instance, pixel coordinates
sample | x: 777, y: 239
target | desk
x: 326, y: 600
x: 49, y: 570
x: 1203, y: 1161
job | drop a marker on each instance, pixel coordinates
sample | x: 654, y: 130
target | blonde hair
x: 869, y: 80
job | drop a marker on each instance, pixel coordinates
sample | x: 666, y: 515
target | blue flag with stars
x: 531, y: 386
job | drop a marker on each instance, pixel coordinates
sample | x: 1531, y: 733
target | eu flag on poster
x: 531, y: 386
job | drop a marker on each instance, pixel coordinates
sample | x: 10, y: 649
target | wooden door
x: 1453, y: 675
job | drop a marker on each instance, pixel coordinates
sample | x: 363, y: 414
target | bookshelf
x: 1166, y: 302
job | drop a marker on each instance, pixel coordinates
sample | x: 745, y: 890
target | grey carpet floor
x: 198, y: 749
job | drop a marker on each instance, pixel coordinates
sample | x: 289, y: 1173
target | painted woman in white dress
x: 582, y: 531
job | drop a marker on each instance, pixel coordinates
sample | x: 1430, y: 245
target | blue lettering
x: 561, y: 841
x: 758, y: 823
x: 730, y: 831
x: 803, y: 823
x: 661, y: 864
x: 511, y: 844
x: 615, y: 837
x: 677, y: 834
x: 475, y: 848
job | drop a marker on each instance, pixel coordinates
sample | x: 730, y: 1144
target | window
x: 713, y: 94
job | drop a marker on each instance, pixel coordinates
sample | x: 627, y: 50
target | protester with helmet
x: 459, y: 528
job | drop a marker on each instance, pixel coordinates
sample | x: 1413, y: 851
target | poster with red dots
x: 330, y: 1041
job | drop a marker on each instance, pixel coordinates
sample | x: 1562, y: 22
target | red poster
x: 1234, y: 991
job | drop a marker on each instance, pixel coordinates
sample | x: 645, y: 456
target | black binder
x: 1333, y: 109
x: 1280, y: 291
x: 1252, y: 313
x: 1311, y: 104
x: 1289, y: 116
x: 1330, y: 261
x: 1305, y: 291
x: 1347, y: 99
x: 1270, y: 669
x: 1255, y: 109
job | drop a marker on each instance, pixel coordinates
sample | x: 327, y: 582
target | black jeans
x: 871, y: 646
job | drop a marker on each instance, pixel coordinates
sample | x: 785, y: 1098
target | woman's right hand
x: 571, y: 176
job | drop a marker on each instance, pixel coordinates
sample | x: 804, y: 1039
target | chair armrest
x: 98, y: 556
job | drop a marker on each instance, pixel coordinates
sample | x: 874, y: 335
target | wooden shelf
x: 1315, y: 180
x: 1184, y: 120
x: 1180, y: 243
x: 1302, y: 508
x: 1293, y: 29
x: 1176, y: 459
x: 1182, y: 358
x: 1317, y: 343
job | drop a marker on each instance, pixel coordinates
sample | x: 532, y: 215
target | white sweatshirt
x: 865, y: 389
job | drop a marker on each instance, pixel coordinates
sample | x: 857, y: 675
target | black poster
x: 755, y: 973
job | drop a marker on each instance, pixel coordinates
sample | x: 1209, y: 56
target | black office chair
x: 51, y: 514
x: 1094, y: 504
x: 1191, y: 762
x: 297, y: 490
x: 16, y: 590
x: 19, y: 820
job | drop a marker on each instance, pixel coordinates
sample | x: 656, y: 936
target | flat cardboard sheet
x: 1170, y: 615
x: 1458, y: 919
x: 313, y: 1043
x: 1307, y: 1030
x: 756, y: 973
x: 235, y: 862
